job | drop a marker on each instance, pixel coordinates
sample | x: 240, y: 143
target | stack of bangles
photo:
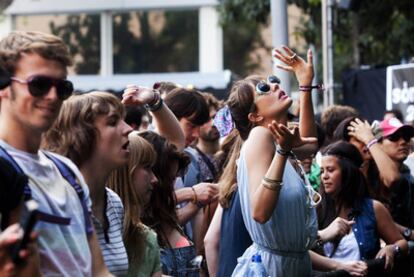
x: 156, y: 102
x: 271, y: 184
x: 283, y: 152
x: 310, y: 88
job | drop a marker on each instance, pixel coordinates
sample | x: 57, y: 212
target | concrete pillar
x: 6, y: 25
x: 210, y: 36
x: 280, y: 37
x: 107, y: 67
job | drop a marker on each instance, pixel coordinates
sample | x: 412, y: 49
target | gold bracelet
x: 194, y: 200
x: 274, y: 185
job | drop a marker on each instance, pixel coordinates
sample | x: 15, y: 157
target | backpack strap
x: 70, y: 176
x: 26, y: 190
x: 50, y: 218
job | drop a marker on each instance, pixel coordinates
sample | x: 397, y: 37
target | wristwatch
x: 407, y: 233
x: 397, y: 250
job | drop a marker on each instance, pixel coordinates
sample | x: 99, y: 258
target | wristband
x: 155, y: 104
x: 371, y: 143
x: 283, y: 152
x: 309, y: 88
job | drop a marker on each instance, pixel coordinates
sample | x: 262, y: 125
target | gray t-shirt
x: 63, y: 249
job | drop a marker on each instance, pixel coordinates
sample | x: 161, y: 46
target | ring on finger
x: 292, y: 58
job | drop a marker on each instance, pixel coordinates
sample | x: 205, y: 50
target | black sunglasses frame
x: 64, y: 88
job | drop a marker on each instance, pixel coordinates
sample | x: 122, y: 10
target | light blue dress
x: 283, y: 241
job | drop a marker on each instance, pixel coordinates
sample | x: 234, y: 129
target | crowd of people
x: 171, y: 181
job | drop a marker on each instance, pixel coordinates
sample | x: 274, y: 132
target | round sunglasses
x: 39, y: 85
x: 263, y: 87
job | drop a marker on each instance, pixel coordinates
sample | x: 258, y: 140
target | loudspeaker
x: 4, y: 78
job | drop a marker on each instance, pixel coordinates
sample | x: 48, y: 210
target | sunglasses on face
x: 41, y: 85
x: 397, y: 136
x: 263, y: 87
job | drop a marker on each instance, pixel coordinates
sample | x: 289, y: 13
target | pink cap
x: 391, y: 125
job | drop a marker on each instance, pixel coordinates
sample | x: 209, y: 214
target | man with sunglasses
x: 33, y: 86
x: 395, y: 142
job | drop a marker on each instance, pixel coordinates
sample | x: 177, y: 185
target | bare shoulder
x: 260, y: 142
x: 259, y: 134
x: 379, y: 208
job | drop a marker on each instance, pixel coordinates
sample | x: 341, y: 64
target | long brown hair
x: 240, y: 103
x: 162, y: 210
x: 142, y: 154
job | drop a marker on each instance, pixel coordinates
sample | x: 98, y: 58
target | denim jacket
x: 365, y: 228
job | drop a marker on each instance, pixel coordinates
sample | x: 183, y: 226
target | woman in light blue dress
x: 277, y: 204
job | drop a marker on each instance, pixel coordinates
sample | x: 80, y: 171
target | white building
x: 210, y: 39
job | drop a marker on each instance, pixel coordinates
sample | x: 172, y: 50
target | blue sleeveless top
x: 284, y: 240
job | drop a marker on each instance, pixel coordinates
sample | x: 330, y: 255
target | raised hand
x: 302, y: 69
x: 136, y: 96
x: 360, y: 130
x: 288, y: 139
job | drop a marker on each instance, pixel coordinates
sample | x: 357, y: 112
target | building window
x: 80, y: 32
x: 155, y: 41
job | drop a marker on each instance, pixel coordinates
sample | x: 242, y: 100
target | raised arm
x: 387, y: 168
x: 266, y: 172
x: 303, y: 71
x: 166, y: 124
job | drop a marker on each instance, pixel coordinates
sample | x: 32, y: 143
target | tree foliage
x: 375, y: 32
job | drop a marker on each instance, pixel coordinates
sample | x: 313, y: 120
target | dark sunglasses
x: 398, y: 135
x: 40, y: 85
x: 263, y: 87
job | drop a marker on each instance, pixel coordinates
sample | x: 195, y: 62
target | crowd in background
x: 172, y: 181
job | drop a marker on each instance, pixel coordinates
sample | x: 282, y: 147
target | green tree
x: 375, y: 32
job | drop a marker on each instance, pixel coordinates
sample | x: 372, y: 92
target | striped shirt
x: 110, y: 240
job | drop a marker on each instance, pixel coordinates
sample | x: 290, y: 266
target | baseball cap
x: 391, y: 125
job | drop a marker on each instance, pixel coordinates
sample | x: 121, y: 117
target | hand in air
x: 360, y: 130
x: 288, y: 139
x: 136, y: 96
x: 293, y: 63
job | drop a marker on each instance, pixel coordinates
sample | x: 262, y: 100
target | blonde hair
x: 48, y: 46
x: 142, y: 154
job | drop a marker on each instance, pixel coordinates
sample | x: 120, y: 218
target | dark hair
x: 353, y: 186
x: 190, y: 104
x: 331, y: 118
x: 341, y: 132
x: 240, y: 103
x: 161, y: 209
x: 134, y: 115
